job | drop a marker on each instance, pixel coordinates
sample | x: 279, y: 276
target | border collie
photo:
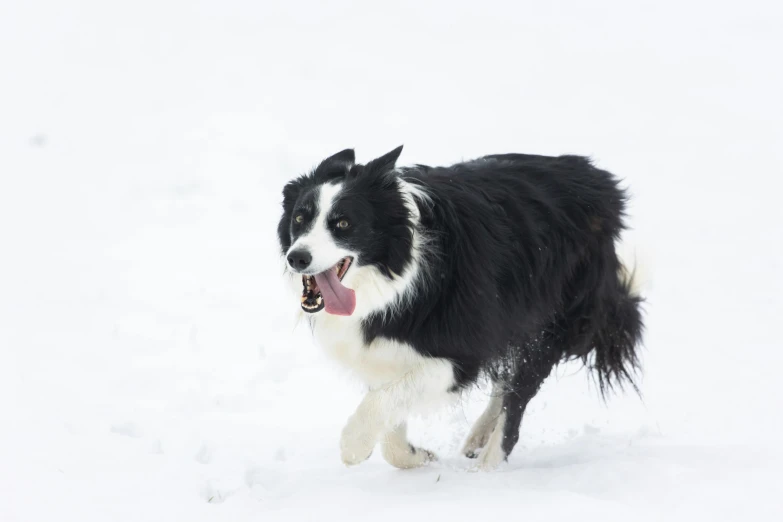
x: 424, y: 280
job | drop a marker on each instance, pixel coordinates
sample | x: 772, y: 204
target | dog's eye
x: 343, y: 223
x: 299, y: 218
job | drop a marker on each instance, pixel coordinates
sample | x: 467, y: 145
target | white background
x: 151, y: 369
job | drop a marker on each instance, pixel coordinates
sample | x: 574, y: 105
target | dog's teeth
x: 318, y: 299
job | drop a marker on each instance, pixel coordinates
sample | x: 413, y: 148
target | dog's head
x: 349, y: 232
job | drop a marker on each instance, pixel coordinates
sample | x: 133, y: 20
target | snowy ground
x: 151, y: 369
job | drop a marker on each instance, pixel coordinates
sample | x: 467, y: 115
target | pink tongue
x: 338, y: 300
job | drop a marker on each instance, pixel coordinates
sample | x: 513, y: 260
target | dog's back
x: 538, y: 233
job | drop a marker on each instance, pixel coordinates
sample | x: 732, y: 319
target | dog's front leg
x: 384, y: 408
x: 361, y: 433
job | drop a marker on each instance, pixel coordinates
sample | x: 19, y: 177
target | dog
x: 424, y: 281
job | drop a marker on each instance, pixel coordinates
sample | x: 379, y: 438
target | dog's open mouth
x: 325, y: 290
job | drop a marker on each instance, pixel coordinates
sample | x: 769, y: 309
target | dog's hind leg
x: 484, y: 425
x: 532, y: 370
x: 400, y: 453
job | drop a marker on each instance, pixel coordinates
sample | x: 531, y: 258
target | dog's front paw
x: 407, y: 458
x: 357, y: 441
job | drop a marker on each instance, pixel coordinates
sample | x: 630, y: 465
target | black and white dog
x: 423, y: 280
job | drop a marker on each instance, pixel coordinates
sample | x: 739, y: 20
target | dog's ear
x: 335, y: 166
x: 385, y: 163
x: 346, y: 157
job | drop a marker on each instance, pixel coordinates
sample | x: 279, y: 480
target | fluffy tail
x: 616, y: 343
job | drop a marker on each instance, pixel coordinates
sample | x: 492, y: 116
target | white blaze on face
x: 319, y: 241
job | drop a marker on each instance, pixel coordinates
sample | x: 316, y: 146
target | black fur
x: 521, y: 265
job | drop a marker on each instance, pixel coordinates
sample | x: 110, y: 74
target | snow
x: 152, y: 368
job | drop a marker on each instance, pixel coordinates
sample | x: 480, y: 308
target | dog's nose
x: 299, y: 259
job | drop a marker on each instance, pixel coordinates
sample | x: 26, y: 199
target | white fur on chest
x: 382, y: 361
